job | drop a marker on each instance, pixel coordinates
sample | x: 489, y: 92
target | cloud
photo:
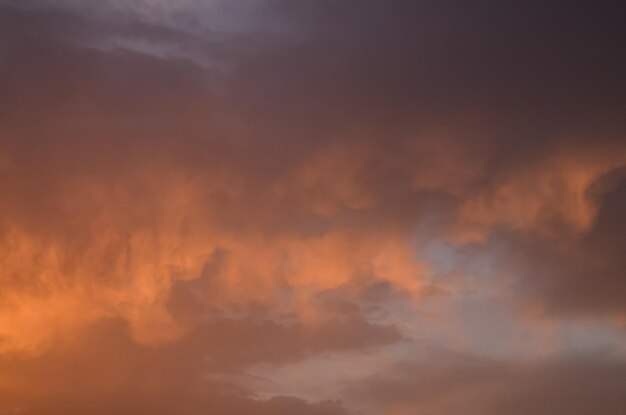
x: 107, y: 207
x: 580, y: 275
x: 102, y: 371
x: 572, y: 385
x: 243, y: 184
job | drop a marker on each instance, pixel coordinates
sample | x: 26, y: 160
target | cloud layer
x: 190, y: 189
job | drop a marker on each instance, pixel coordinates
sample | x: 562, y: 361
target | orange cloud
x: 117, y: 248
x: 547, y: 198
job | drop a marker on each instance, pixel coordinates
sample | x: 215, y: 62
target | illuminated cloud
x: 192, y: 191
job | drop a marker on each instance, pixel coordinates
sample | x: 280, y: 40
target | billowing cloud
x: 204, y: 186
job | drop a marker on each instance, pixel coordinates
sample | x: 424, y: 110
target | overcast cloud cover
x: 312, y: 207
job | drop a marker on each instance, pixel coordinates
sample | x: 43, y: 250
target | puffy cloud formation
x: 190, y: 189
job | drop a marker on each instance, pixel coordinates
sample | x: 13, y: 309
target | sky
x: 312, y: 207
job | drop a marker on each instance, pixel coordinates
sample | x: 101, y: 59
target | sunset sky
x: 312, y: 207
